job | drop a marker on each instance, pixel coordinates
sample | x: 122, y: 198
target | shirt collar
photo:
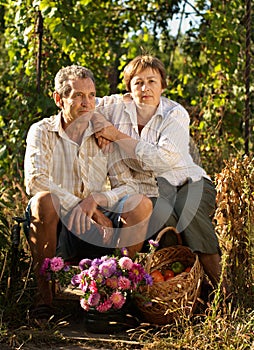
x: 131, y: 108
x: 159, y: 110
x: 56, y: 126
x: 55, y: 123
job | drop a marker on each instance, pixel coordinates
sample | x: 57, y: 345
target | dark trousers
x: 189, y: 208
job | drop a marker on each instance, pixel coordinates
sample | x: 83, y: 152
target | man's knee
x: 45, y: 206
x: 145, y: 205
x: 138, y: 202
x: 139, y: 205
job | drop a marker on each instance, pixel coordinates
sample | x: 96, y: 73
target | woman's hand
x: 103, y: 128
x: 109, y: 133
x: 106, y: 145
x: 99, y: 122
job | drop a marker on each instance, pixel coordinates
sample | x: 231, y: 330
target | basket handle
x: 160, y: 234
x: 170, y: 228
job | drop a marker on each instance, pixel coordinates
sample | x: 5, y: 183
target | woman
x: 152, y: 133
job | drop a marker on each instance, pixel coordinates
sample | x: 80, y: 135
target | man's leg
x: 136, y: 214
x: 44, y: 218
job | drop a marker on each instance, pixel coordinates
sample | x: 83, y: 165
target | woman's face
x: 146, y: 87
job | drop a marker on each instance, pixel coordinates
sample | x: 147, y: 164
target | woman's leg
x: 194, y: 206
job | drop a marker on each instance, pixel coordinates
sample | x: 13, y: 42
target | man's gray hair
x: 69, y: 73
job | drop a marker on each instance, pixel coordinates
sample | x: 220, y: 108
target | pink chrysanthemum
x: 66, y: 267
x: 117, y: 299
x: 76, y: 280
x: 93, y: 287
x: 108, y: 268
x: 107, y: 281
x: 96, y: 262
x: 112, y: 282
x: 94, y: 299
x: 105, y: 306
x: 93, y: 271
x: 136, y: 274
x: 56, y: 264
x: 125, y: 263
x: 83, y: 283
x: 124, y: 283
x: 47, y: 276
x: 84, y: 304
x: 153, y: 243
x: 148, y: 279
x: 124, y: 252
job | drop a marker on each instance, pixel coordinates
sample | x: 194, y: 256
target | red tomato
x: 188, y: 269
x: 168, y: 274
x: 157, y: 276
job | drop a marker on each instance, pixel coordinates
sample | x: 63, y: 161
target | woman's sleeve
x: 169, y: 145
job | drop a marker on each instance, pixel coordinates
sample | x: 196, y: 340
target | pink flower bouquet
x: 56, y: 269
x: 106, y: 281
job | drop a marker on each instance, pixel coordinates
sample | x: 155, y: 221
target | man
x: 72, y: 212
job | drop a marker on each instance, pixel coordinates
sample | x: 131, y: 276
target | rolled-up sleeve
x: 38, y: 160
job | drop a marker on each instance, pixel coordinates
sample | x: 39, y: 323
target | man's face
x: 80, y: 101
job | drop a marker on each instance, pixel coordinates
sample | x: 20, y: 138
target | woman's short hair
x: 138, y: 64
x: 68, y: 73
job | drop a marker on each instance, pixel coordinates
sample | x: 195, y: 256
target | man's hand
x: 85, y: 214
x: 81, y: 215
x: 104, y: 225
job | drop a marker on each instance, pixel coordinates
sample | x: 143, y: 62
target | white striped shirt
x: 163, y: 147
x: 55, y: 163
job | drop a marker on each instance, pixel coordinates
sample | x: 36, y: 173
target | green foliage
x: 213, y: 81
x: 96, y: 36
x: 205, y: 69
x: 205, y: 66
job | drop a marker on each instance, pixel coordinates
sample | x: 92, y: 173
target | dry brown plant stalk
x: 234, y: 219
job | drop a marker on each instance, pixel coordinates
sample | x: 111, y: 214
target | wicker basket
x: 174, y: 297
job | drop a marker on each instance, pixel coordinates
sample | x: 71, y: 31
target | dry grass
x: 226, y: 332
